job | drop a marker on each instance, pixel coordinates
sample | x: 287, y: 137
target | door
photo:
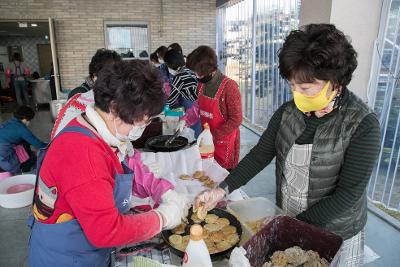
x: 44, y: 55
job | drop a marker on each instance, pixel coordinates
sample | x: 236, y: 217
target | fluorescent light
x: 33, y: 24
x: 22, y: 24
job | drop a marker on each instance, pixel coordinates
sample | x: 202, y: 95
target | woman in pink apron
x: 220, y: 105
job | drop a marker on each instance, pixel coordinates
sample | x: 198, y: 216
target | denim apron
x: 65, y: 244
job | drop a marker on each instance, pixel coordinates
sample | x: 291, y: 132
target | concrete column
x: 359, y: 20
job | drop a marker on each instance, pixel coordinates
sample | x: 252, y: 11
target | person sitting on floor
x: 15, y: 141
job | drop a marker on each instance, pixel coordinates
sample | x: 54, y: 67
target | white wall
x: 315, y: 11
x: 359, y: 20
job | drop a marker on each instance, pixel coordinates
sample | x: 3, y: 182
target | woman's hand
x: 208, y: 199
x: 173, y: 208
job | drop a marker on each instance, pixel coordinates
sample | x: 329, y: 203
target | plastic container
x: 4, y: 175
x: 17, y: 191
x: 250, y: 210
x: 196, y: 253
x: 285, y: 232
x: 206, y: 143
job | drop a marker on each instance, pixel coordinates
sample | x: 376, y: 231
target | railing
x: 249, y: 36
x: 384, y: 186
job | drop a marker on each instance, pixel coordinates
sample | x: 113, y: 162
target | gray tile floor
x: 14, y: 234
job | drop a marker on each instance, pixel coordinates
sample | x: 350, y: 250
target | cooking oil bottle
x: 205, y: 143
x: 196, y: 253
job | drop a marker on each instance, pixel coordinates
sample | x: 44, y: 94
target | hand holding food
x: 208, y: 199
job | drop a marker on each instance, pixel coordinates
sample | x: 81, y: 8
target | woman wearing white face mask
x: 81, y: 197
x: 15, y: 142
x: 183, y: 89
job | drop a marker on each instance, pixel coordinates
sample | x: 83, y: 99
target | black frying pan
x: 220, y: 213
x: 157, y: 143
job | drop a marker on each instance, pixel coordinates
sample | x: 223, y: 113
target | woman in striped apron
x: 325, y: 141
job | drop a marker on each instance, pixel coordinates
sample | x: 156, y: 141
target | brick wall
x: 79, y: 25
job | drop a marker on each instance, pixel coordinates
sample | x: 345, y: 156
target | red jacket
x: 78, y: 173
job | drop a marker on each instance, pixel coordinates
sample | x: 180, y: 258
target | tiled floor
x: 14, y: 234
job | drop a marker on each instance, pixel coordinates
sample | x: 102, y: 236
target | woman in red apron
x: 220, y: 105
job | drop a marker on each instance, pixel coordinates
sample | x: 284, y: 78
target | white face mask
x: 134, y: 134
x: 161, y: 60
x: 172, y: 72
x: 26, y: 123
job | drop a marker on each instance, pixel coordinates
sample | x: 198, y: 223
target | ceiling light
x: 33, y: 24
x: 46, y: 37
x: 22, y: 24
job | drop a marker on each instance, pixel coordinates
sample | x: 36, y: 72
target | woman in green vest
x: 325, y: 141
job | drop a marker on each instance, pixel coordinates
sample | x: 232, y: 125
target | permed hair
x: 317, y: 51
x: 130, y: 89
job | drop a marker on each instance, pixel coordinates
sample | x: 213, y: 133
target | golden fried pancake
x: 198, y: 174
x: 175, y: 239
x: 223, y: 245
x: 211, y: 218
x: 229, y: 229
x: 223, y: 222
x: 232, y: 238
x: 180, y: 229
x: 212, y: 227
x: 184, y: 177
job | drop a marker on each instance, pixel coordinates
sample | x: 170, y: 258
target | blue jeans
x: 21, y: 89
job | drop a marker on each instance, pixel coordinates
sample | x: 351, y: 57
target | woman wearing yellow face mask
x: 325, y: 140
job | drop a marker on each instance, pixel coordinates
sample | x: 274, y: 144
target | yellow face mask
x: 313, y: 103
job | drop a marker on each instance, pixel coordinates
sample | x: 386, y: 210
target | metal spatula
x: 172, y: 138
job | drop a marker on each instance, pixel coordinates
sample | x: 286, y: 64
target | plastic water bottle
x: 196, y: 253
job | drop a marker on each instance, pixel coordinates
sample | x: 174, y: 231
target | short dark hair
x: 24, y: 112
x: 101, y: 58
x: 131, y: 89
x: 174, y: 59
x: 202, y: 60
x: 161, y: 51
x: 153, y: 57
x: 317, y: 51
x: 17, y: 56
x: 176, y: 46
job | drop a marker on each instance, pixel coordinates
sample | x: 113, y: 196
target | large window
x: 384, y: 186
x: 129, y: 39
x: 249, y: 35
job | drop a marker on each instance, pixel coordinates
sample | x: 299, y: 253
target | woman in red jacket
x: 220, y: 105
x: 83, y: 191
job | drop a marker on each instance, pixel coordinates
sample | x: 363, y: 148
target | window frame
x: 128, y: 23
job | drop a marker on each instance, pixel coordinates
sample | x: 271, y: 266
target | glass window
x: 273, y: 21
x: 130, y: 40
x: 384, y: 186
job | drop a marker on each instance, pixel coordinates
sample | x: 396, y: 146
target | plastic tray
x: 252, y: 209
x: 284, y: 232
